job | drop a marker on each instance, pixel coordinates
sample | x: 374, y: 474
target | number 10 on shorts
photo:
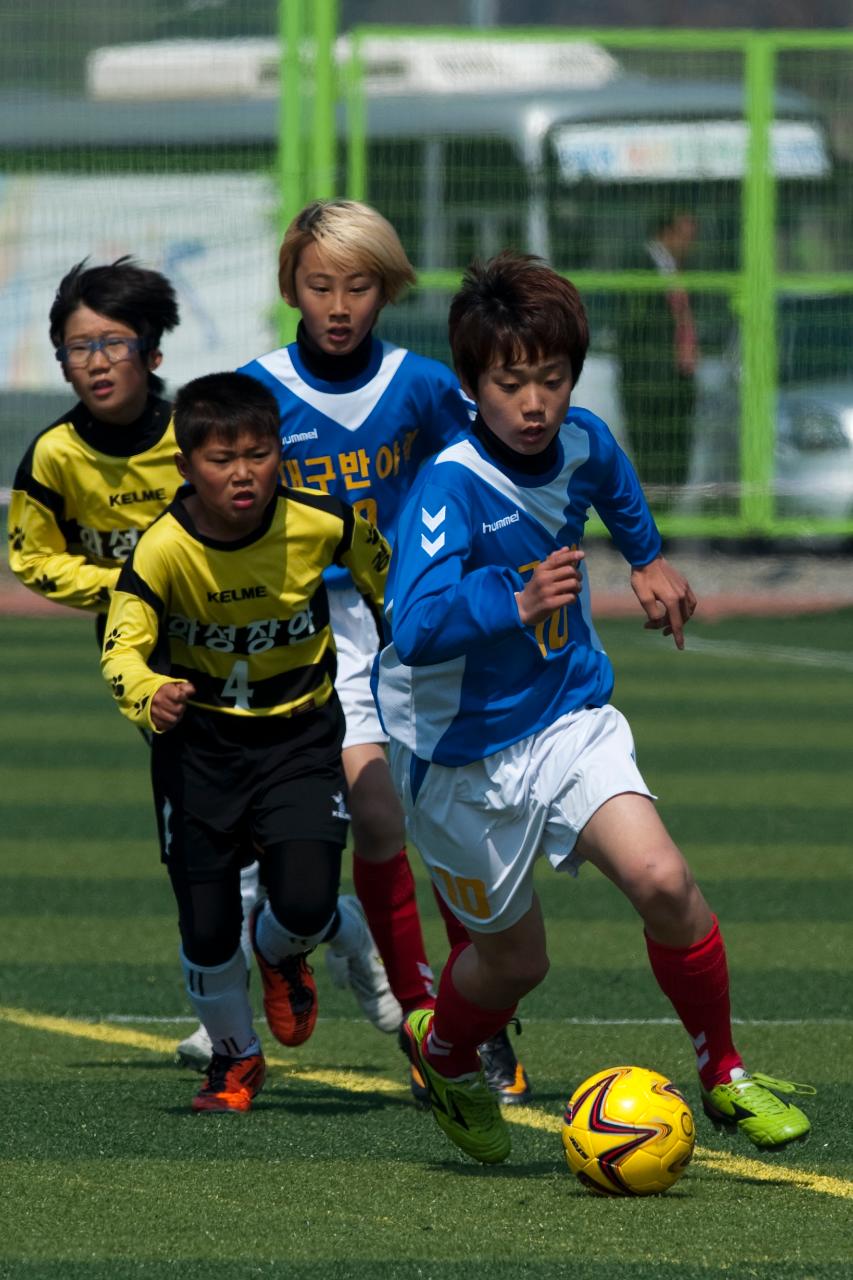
x: 464, y: 892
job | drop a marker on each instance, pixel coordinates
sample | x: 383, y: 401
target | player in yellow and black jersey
x: 245, y: 620
x: 93, y: 480
x: 218, y: 639
x: 81, y: 498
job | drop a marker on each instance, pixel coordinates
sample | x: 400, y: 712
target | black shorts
x: 227, y: 786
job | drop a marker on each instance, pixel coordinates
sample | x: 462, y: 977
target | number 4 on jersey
x: 237, y: 686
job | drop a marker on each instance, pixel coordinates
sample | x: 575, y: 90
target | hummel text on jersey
x: 237, y: 593
x: 502, y: 523
x: 137, y: 495
x: 299, y: 436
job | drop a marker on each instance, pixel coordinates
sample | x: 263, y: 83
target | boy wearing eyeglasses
x: 93, y: 480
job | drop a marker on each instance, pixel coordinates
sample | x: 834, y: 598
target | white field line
x: 835, y: 660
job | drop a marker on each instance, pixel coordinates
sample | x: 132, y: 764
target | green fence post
x: 758, y: 333
x: 290, y: 176
x: 323, y: 135
x: 356, y: 127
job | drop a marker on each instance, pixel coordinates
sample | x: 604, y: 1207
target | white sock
x: 277, y: 942
x: 250, y: 892
x: 221, y: 1001
x: 350, y: 936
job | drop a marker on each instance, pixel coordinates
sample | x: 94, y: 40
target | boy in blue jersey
x: 359, y: 416
x: 495, y: 694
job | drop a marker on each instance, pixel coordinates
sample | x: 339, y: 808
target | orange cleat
x: 231, y: 1083
x: 290, y: 992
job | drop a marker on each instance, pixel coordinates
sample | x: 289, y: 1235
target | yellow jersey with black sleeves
x: 245, y: 622
x: 82, y: 495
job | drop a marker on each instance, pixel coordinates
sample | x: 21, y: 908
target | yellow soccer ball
x: 628, y: 1132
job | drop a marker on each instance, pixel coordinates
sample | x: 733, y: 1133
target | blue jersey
x: 463, y: 676
x: 363, y: 440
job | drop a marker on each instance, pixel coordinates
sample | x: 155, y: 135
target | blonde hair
x: 350, y: 234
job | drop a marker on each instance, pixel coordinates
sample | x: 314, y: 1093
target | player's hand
x: 553, y: 583
x: 666, y: 596
x: 169, y: 704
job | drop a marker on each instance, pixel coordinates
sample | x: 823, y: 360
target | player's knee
x: 378, y: 833
x: 208, y: 948
x: 668, y: 889
x: 534, y: 972
x: 521, y: 971
x: 309, y: 921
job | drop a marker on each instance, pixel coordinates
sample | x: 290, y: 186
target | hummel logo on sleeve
x: 432, y: 522
x: 432, y: 545
x: 495, y: 525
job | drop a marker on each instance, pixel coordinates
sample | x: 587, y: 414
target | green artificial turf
x: 746, y: 738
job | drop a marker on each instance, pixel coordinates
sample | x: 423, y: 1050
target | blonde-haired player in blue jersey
x: 496, y: 694
x: 218, y: 642
x: 359, y: 416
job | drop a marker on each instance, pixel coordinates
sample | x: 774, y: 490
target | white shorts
x: 481, y: 827
x: 357, y: 641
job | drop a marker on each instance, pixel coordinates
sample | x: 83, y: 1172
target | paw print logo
x: 45, y: 584
x: 16, y: 537
x: 140, y: 706
x: 112, y: 638
x: 118, y: 687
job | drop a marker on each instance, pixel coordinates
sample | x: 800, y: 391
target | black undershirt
x: 530, y: 464
x: 331, y: 368
x: 123, y: 441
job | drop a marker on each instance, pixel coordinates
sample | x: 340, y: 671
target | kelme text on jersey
x: 137, y: 495
x: 236, y: 593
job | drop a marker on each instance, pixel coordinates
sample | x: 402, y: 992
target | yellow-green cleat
x: 465, y: 1108
x: 752, y: 1103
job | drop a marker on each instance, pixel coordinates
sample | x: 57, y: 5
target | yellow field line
x: 107, y: 1033
x: 354, y: 1082
x: 717, y: 1161
x: 98, y: 1031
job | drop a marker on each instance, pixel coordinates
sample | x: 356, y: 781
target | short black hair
x: 515, y: 308
x: 142, y: 299
x: 224, y: 405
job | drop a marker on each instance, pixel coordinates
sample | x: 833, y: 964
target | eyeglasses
x: 78, y: 354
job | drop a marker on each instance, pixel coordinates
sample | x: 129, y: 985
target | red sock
x: 696, y: 980
x: 456, y: 932
x: 459, y: 1026
x: 386, y: 890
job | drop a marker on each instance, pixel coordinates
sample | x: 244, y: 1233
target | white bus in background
x: 472, y: 145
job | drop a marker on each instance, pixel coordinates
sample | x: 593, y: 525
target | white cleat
x: 361, y: 968
x: 196, y: 1051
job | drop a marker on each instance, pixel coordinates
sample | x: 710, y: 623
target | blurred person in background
x: 658, y: 356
